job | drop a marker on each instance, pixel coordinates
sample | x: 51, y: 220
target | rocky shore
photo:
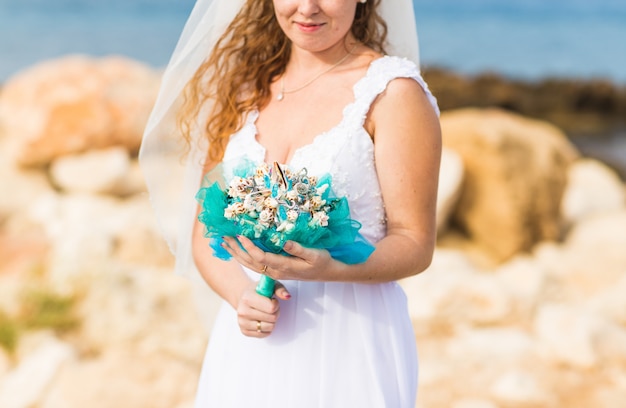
x: 523, y: 306
x: 591, y: 112
x: 592, y: 107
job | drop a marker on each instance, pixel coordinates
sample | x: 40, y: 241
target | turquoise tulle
x: 340, y: 236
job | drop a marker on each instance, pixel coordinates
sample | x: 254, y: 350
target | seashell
x: 301, y: 188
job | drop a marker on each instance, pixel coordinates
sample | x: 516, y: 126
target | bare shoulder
x: 405, y: 92
x: 405, y: 104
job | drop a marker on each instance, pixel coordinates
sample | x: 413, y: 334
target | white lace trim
x: 380, y: 73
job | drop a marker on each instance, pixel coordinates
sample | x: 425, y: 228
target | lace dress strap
x: 379, y: 74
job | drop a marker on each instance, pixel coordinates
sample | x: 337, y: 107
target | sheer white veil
x: 172, y: 182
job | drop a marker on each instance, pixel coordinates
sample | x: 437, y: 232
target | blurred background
x: 523, y: 305
x: 524, y: 39
x: 519, y: 40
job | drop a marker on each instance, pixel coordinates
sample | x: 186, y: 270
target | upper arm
x: 407, y: 148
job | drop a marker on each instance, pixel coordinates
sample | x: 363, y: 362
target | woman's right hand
x: 257, y: 315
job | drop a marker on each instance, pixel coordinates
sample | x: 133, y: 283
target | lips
x: 309, y: 27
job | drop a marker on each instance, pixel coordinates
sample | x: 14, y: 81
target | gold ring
x: 258, y: 326
x: 264, y: 270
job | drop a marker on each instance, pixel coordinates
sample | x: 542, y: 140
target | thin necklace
x: 283, y: 91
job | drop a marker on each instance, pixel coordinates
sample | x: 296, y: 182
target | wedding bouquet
x: 271, y: 205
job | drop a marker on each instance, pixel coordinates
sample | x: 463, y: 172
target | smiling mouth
x: 309, y: 25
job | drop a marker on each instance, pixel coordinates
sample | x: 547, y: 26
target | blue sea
x: 525, y: 39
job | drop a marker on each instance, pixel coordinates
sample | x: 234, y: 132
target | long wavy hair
x: 236, y: 76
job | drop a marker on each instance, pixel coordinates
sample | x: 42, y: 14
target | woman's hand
x: 256, y: 314
x: 303, y: 264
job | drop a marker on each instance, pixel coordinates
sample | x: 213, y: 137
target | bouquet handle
x: 265, y: 287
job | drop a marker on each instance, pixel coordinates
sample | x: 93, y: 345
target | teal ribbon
x: 265, y: 287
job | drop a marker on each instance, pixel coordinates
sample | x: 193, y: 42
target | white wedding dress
x: 335, y: 344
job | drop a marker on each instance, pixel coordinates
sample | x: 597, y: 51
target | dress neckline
x: 254, y: 115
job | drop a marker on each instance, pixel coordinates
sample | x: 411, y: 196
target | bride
x: 331, y: 86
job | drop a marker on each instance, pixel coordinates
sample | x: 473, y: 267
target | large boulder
x: 515, y: 175
x: 76, y: 103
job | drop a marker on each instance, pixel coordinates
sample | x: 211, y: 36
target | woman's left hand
x: 303, y: 264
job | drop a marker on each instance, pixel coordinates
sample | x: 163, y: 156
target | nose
x: 308, y: 7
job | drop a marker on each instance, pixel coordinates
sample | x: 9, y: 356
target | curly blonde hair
x: 237, y: 75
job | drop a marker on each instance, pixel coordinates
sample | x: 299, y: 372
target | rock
x: 594, y: 256
x: 450, y: 181
x: 5, y: 363
x: 25, y: 187
x: 478, y: 300
x: 520, y: 387
x: 592, y: 188
x: 548, y: 256
x: 453, y: 291
x: 124, y: 379
x: 187, y: 404
x: 611, y: 344
x: 603, y: 231
x: 580, y: 107
x: 515, y: 175
x: 75, y: 103
x: 137, y: 239
x: 611, y: 302
x: 96, y: 171
x: 89, y: 233
x: 151, y: 312
x: 27, y: 384
x: 476, y: 358
x: 11, y: 291
x: 610, y: 397
x: 502, y: 346
x: 613, y: 394
x: 427, y: 291
x: 473, y: 403
x: 433, y: 371
x: 524, y: 280
x: 22, y: 258
x: 133, y: 183
x: 568, y: 334
x: 80, y: 229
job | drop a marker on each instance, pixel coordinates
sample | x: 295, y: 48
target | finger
x: 255, y: 253
x: 254, y: 333
x: 281, y: 292
x: 311, y: 256
x: 249, y: 255
x: 246, y: 315
x: 297, y: 250
x: 234, y: 247
x: 262, y: 327
x: 239, y: 254
x: 256, y: 307
x: 256, y: 328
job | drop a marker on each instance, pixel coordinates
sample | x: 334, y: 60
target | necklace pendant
x: 280, y: 97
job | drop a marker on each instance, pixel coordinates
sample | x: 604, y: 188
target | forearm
x: 226, y: 278
x: 396, y: 256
